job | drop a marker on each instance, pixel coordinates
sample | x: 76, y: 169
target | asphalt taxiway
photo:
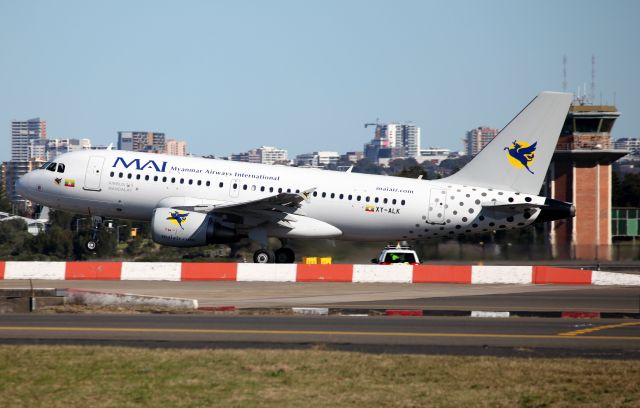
x: 604, y: 338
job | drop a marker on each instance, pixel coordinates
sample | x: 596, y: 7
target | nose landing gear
x: 96, y: 223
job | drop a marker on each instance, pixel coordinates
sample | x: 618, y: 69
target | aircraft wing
x: 508, y: 207
x: 277, y: 203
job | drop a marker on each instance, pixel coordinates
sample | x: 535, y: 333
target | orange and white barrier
x: 173, y: 271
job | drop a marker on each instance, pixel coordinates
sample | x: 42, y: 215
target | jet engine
x: 189, y: 229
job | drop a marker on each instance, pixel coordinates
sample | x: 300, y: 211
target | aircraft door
x: 94, y: 173
x: 437, y: 199
x: 234, y: 188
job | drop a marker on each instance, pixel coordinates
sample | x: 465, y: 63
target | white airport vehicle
x: 195, y: 201
x: 397, y: 254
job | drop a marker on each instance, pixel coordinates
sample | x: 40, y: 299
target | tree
x: 629, y: 194
x: 367, y: 166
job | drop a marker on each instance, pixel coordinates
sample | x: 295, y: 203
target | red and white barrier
x: 172, y: 271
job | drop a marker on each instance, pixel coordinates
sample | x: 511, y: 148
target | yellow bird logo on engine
x: 178, y: 218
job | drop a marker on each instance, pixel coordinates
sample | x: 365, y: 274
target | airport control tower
x: 580, y: 173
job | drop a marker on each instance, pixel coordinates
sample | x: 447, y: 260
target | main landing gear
x: 282, y: 255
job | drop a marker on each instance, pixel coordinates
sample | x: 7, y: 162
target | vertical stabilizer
x: 517, y: 159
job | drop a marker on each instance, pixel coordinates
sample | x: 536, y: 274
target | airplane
x: 193, y: 201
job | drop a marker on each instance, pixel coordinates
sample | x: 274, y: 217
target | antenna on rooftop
x: 564, y: 73
x: 593, y: 79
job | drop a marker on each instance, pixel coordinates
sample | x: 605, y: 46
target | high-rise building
x: 150, y: 142
x: 176, y: 147
x: 394, y: 140
x: 478, y: 138
x: 22, y: 133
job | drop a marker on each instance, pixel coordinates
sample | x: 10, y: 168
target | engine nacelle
x: 189, y: 229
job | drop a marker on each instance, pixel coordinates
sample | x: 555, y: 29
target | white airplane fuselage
x: 131, y: 185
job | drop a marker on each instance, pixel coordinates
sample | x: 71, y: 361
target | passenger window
x: 288, y: 190
x: 341, y: 196
x: 112, y: 173
x: 120, y: 175
x: 60, y: 168
x: 402, y: 202
x: 280, y: 190
x: 155, y: 178
x: 358, y: 198
x: 146, y: 178
x: 137, y: 177
x: 262, y: 188
x: 393, y: 201
x: 367, y: 199
x: 324, y: 195
x: 173, y: 179
x: 350, y: 197
x: 181, y: 181
x: 208, y: 183
x: 385, y: 201
x: 315, y: 193
x: 375, y: 200
x: 244, y: 187
x: 129, y: 175
x: 333, y: 195
x: 52, y: 167
x: 235, y: 185
x: 253, y: 188
x: 164, y: 179
x: 221, y: 184
x: 271, y: 189
x: 297, y: 191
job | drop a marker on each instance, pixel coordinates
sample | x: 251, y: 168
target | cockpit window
x: 44, y: 166
x: 51, y: 167
x: 60, y: 168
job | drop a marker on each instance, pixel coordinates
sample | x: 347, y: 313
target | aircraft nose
x: 22, y: 184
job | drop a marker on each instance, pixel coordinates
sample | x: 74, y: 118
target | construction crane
x: 366, y: 125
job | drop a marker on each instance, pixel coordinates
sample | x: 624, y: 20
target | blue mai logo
x: 139, y: 166
x: 521, y: 154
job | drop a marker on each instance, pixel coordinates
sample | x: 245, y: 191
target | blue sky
x: 231, y: 75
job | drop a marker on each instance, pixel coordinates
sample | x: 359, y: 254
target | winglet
x: 306, y: 194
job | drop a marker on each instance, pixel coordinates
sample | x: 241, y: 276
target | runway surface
x: 374, y: 295
x: 521, y: 337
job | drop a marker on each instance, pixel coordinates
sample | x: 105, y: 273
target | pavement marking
x: 598, y: 328
x: 307, y: 332
x: 463, y: 307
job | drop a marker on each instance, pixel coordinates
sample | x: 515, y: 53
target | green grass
x: 75, y: 376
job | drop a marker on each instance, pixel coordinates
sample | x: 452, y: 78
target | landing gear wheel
x: 91, y: 245
x: 263, y: 256
x: 285, y: 255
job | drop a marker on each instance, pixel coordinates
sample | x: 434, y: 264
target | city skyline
x: 304, y: 77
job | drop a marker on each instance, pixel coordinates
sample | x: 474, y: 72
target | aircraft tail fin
x: 517, y: 159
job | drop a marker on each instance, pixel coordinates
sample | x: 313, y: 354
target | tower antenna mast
x: 593, y: 79
x: 564, y: 73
